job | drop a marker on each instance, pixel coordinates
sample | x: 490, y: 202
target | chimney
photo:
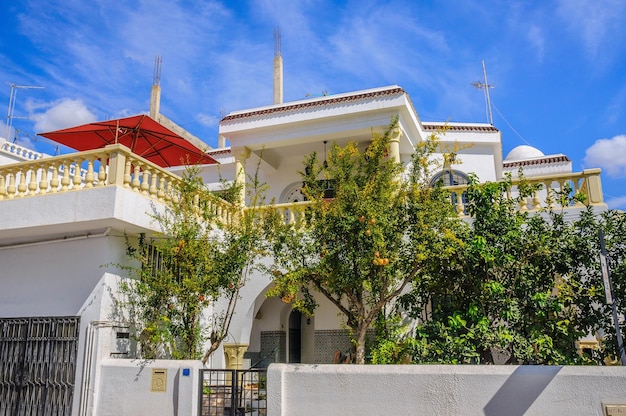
x: 155, y: 94
x: 278, y: 69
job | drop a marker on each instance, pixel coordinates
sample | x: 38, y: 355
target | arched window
x: 293, y: 192
x: 451, y: 177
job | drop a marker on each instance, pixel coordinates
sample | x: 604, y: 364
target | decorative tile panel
x: 273, y: 347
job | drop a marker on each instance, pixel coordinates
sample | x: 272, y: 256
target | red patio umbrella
x: 143, y: 135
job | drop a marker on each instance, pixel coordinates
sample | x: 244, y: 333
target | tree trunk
x: 361, y: 332
x: 214, y: 346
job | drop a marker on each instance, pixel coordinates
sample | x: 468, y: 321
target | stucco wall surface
x: 126, y: 388
x: 443, y: 390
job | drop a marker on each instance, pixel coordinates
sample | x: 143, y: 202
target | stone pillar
x: 234, y: 355
x: 117, y: 164
x: 155, y: 101
x: 394, y: 144
x: 278, y: 68
x: 278, y: 80
x: 241, y: 155
x: 593, y: 186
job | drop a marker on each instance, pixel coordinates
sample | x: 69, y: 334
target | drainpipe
x: 87, y: 391
x: 57, y: 240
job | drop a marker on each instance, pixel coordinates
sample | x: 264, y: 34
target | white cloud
x: 617, y: 202
x: 208, y: 119
x: 15, y: 136
x: 536, y: 38
x: 379, y: 41
x: 616, y: 109
x: 608, y: 154
x: 61, y: 114
x: 105, y: 52
x: 3, y: 131
x: 594, y: 22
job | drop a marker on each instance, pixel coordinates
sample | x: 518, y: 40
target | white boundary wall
x: 126, y: 387
x: 443, y: 390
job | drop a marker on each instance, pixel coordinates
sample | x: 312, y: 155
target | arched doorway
x: 295, y: 337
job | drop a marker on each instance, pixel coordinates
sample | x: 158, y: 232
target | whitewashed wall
x: 56, y: 278
x: 126, y: 388
x: 443, y: 390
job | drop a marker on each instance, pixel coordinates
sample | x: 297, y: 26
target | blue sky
x: 558, y: 67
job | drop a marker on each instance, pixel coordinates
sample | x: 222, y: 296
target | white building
x: 60, y: 229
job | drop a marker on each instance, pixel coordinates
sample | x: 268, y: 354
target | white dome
x: 524, y: 152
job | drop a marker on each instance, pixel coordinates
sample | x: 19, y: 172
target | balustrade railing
x: 585, y: 185
x: 112, y: 165
x: 293, y: 212
x: 19, y: 151
x: 117, y: 165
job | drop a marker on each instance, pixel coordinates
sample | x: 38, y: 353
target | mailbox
x: 159, y: 380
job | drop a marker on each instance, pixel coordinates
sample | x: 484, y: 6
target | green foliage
x: 506, y: 286
x: 362, y: 247
x: 198, y: 258
x: 392, y: 344
x: 522, y: 285
x: 585, y: 245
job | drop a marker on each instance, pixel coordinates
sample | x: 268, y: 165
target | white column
x: 394, y: 144
x: 241, y: 155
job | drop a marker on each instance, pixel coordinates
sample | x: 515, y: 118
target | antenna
x: 277, y: 42
x: 486, y: 87
x: 158, y: 62
x: 155, y: 92
x: 10, y: 116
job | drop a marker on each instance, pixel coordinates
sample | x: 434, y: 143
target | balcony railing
x: 292, y: 212
x: 19, y: 151
x: 112, y: 165
x: 585, y: 185
x: 117, y: 165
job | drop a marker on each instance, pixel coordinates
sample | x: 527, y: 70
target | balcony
x: 83, y: 192
x: 116, y: 165
x: 586, y: 184
x: 85, y: 170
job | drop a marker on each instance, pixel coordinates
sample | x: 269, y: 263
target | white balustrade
x: 292, y: 212
x: 20, y: 151
x: 586, y: 184
x: 551, y: 192
x: 117, y: 165
x: 84, y: 170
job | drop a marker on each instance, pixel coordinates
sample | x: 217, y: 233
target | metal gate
x: 233, y: 392
x: 37, y: 365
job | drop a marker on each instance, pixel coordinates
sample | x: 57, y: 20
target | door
x: 37, y: 365
x: 295, y: 337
